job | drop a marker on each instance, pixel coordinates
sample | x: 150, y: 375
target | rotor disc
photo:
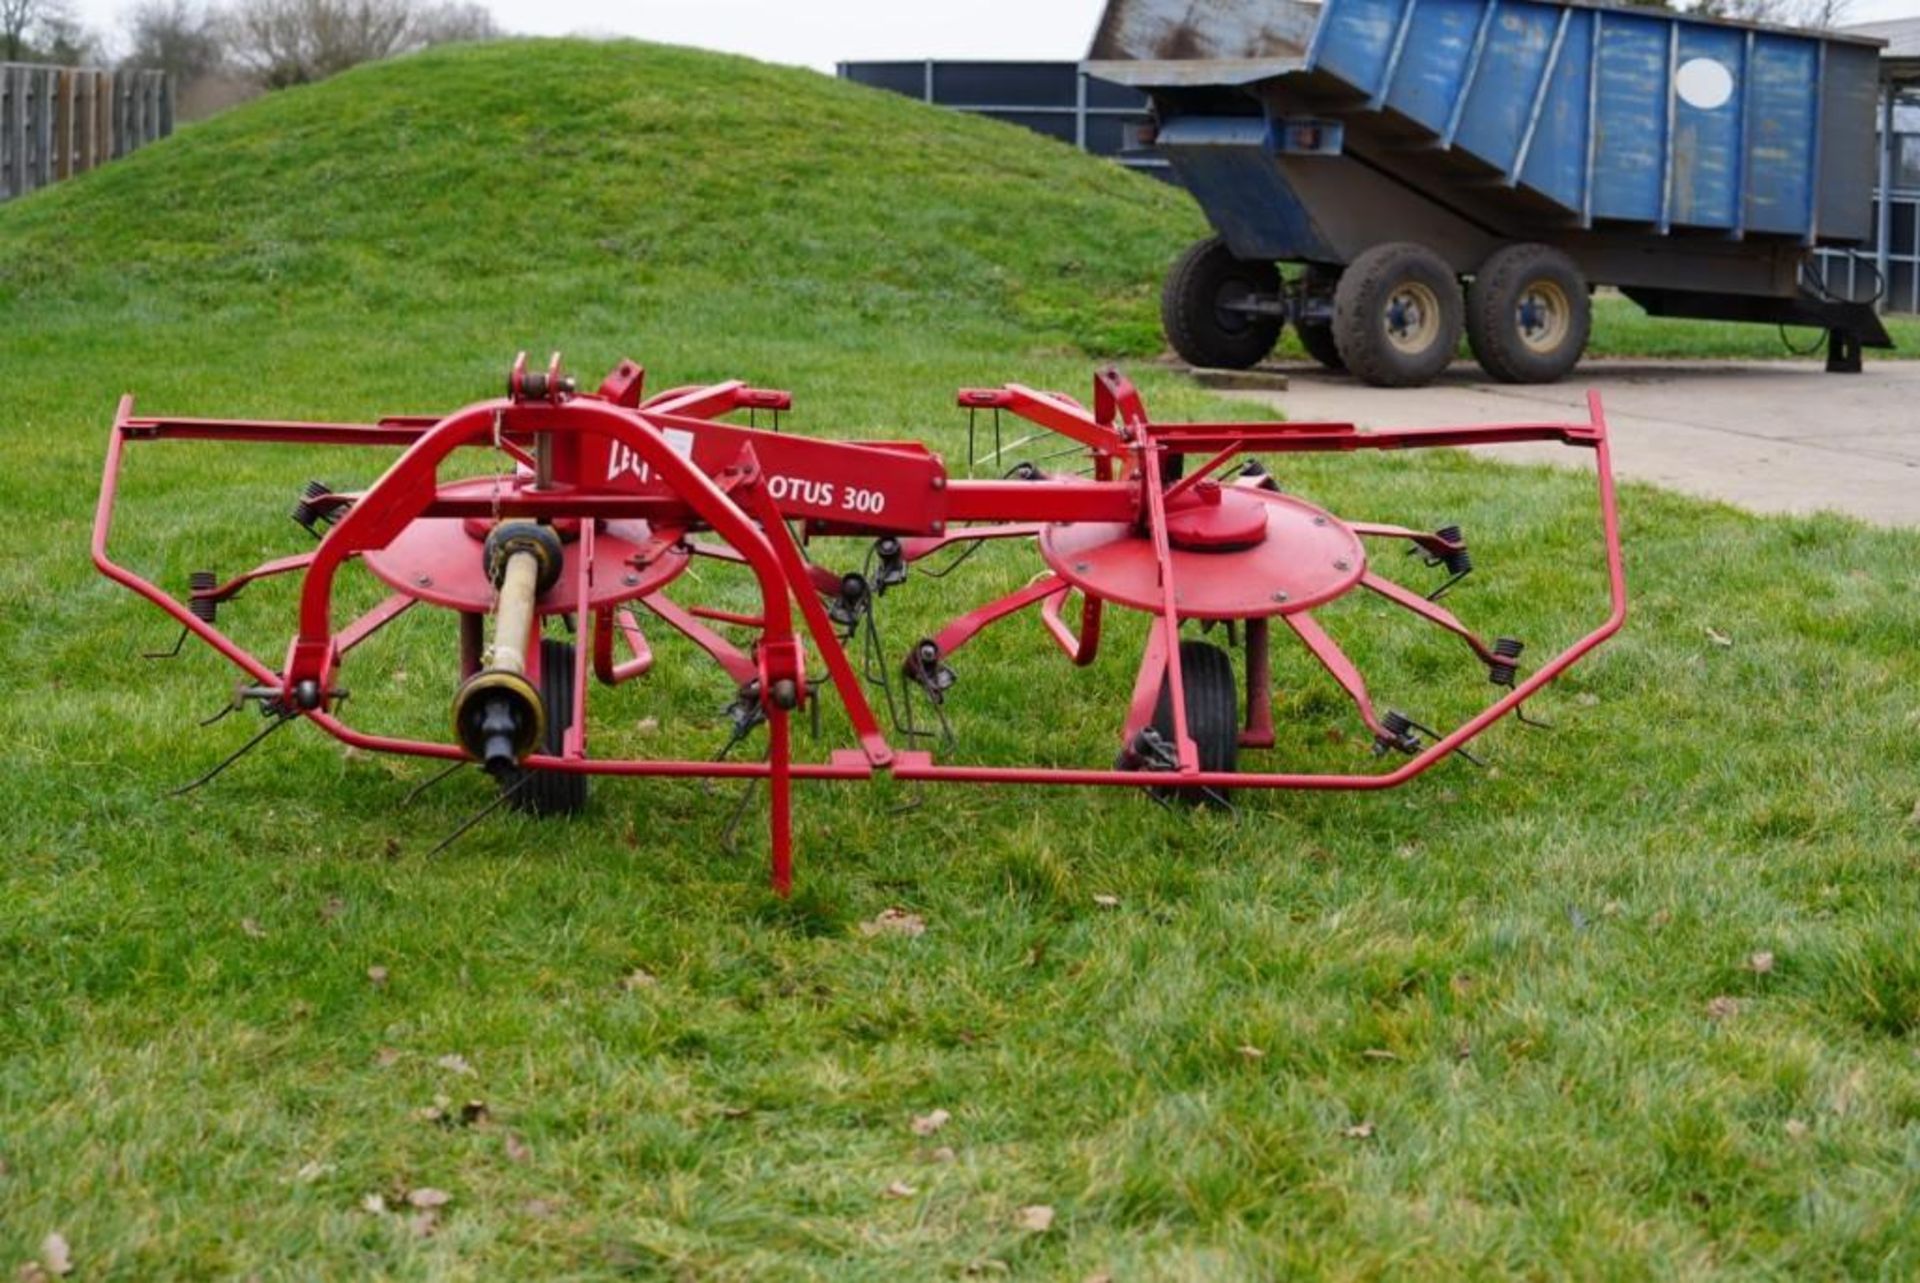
x: 1306, y: 558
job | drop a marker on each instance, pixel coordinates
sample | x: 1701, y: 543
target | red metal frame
x: 731, y: 492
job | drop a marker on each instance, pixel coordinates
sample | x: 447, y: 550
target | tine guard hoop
x: 614, y: 493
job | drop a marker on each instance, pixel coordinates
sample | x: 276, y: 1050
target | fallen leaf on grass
x: 1379, y: 1053
x: 1723, y: 1008
x: 311, y: 1172
x: 928, y: 1124
x: 332, y: 909
x: 253, y: 928
x: 1797, y: 1129
x: 1718, y: 638
x: 1097, y: 1278
x: 1847, y: 1092
x: 1586, y: 699
x: 1760, y: 963
x: 423, y: 1224
x: 943, y: 1154
x: 895, y: 921
x: 638, y: 978
x: 517, y: 1151
x: 377, y: 975
x: 1358, y: 1131
x: 474, y: 1113
x: 734, y: 1111
x: 427, y: 1198
x: 1247, y: 1051
x: 56, y: 1255
x: 374, y: 1205
x: 899, y: 1189
x: 387, y: 1057
x: 454, y: 1063
x: 1036, y: 1218
x: 1107, y: 901
x: 647, y: 725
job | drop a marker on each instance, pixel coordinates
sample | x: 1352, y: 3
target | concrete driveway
x: 1773, y: 436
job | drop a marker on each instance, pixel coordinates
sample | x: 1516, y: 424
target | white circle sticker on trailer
x: 1703, y: 83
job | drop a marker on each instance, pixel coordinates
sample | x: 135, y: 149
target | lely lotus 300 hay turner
x: 600, y: 501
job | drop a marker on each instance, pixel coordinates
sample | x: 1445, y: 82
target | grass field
x: 1640, y: 1000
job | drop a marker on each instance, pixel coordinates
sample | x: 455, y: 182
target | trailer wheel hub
x: 1413, y: 317
x: 1542, y: 316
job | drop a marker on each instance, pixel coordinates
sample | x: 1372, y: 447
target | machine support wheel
x: 1528, y: 314
x: 1213, y: 717
x: 552, y: 792
x: 1198, y: 313
x: 1316, y: 337
x: 1397, y: 315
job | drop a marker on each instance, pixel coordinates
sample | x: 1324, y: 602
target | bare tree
x: 62, y: 39
x: 179, y: 37
x: 291, y: 42
x: 1816, y: 15
x: 44, y: 30
x: 449, y: 24
x: 16, y: 16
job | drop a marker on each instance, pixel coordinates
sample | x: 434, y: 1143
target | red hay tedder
x: 602, y: 500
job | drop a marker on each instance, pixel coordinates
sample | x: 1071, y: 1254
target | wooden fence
x: 59, y: 121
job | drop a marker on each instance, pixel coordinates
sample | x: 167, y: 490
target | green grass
x: 1506, y: 973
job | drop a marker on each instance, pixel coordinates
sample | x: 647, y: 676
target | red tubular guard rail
x: 746, y: 515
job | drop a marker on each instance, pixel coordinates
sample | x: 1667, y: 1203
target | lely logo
x: 624, y: 461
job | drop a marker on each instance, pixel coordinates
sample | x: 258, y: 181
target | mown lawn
x: 1639, y: 1000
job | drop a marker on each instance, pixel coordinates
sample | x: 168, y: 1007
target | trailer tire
x: 1213, y: 717
x: 546, y: 793
x: 1316, y: 337
x: 1397, y: 315
x: 1528, y: 314
x: 1199, y: 327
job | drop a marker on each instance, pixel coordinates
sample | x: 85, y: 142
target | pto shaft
x: 498, y: 715
x: 513, y: 613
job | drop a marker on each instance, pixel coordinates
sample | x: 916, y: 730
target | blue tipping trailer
x: 1479, y: 165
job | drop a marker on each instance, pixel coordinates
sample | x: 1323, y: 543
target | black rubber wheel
x: 1397, y: 315
x: 1528, y: 314
x: 1202, y: 329
x: 1213, y: 717
x: 552, y: 792
x: 1316, y: 337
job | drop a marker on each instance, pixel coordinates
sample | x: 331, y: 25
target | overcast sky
x: 819, y: 33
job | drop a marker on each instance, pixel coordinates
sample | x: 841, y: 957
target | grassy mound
x: 638, y: 195
x: 1475, y: 1027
